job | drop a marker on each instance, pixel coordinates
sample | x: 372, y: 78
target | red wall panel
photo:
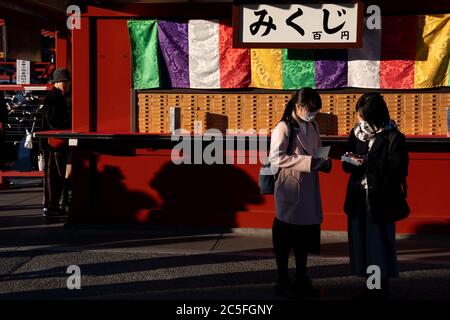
x: 81, y: 78
x: 148, y: 188
x: 114, y: 76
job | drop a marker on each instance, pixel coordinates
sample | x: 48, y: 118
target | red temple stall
x: 124, y: 175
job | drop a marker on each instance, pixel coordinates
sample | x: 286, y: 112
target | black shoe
x: 285, y: 289
x: 50, y: 213
x: 304, y: 287
x: 63, y: 207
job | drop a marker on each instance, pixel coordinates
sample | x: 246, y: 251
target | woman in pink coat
x: 294, y: 144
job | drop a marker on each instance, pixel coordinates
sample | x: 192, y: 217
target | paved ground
x: 151, y: 263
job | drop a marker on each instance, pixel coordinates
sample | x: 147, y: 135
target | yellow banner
x: 267, y: 68
x: 433, y: 51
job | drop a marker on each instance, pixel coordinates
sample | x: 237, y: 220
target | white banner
x: 204, y: 66
x: 364, y: 63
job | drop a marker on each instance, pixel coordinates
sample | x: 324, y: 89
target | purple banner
x: 331, y: 69
x: 173, y: 41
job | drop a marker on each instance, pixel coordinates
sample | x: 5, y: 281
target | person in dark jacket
x: 376, y: 191
x: 56, y: 153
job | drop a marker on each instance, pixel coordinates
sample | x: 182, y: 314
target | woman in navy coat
x: 376, y: 191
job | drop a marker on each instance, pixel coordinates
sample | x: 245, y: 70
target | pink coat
x: 297, y: 189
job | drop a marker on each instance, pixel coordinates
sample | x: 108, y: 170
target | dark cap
x: 60, y: 75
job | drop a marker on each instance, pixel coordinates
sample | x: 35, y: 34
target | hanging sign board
x: 23, y: 72
x: 306, y: 26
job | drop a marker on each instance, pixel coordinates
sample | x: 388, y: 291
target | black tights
x: 283, y: 242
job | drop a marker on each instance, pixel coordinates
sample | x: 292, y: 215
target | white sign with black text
x: 297, y: 24
x: 23, y: 72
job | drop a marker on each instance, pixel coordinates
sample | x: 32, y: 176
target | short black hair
x: 373, y: 109
x: 307, y: 97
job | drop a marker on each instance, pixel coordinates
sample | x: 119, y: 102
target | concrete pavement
x: 183, y: 264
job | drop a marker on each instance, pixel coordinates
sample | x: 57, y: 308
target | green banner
x: 144, y: 52
x: 298, y: 69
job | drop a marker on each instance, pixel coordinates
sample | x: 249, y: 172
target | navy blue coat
x: 386, y: 169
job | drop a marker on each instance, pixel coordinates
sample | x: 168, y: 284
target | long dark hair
x: 307, y: 97
x: 373, y: 109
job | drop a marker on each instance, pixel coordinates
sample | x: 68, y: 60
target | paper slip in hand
x: 351, y: 160
x: 322, y: 152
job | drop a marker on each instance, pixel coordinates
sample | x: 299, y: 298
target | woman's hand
x: 326, y: 166
x: 357, y: 158
x: 321, y: 164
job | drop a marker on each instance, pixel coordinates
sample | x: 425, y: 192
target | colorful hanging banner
x: 298, y: 69
x: 398, y: 52
x: 433, y: 52
x: 331, y: 69
x: 234, y: 62
x: 199, y: 54
x: 267, y: 71
x: 204, y: 65
x: 144, y: 51
x: 364, y: 63
x: 174, y: 46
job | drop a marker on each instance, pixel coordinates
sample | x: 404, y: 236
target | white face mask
x: 365, y: 127
x: 309, y: 116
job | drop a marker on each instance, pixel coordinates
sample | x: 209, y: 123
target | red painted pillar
x: 61, y: 50
x: 81, y: 54
x: 83, y: 111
